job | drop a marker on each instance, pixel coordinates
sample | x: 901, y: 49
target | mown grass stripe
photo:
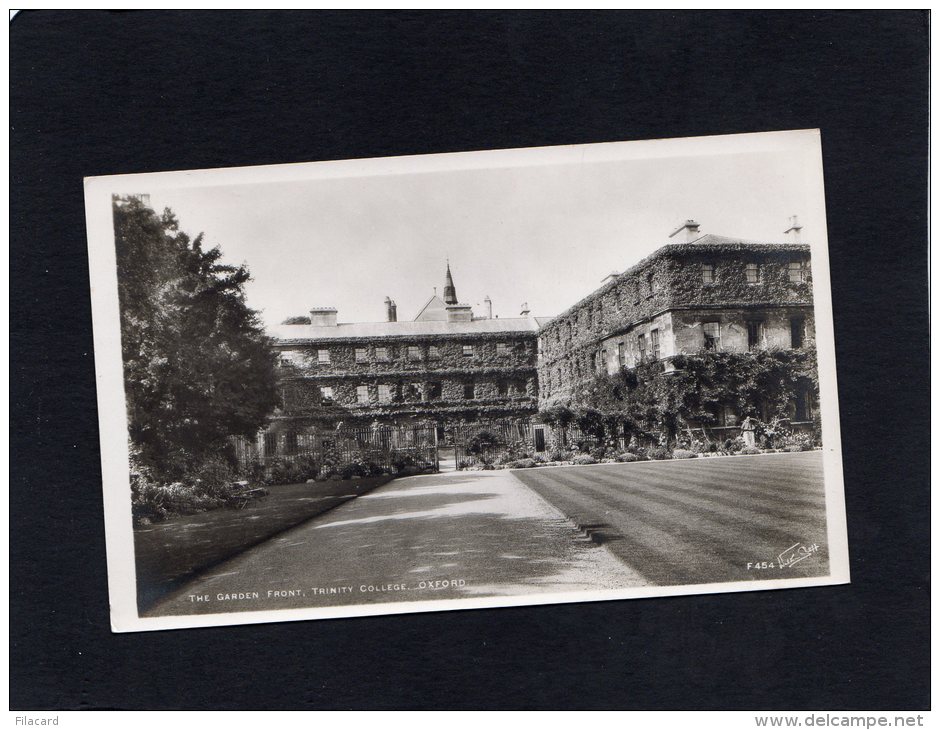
x: 665, y: 536
x: 778, y: 506
x: 678, y: 550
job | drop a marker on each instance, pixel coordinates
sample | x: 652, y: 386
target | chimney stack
x: 323, y: 316
x: 793, y: 232
x: 691, y: 231
x: 488, y: 306
x: 525, y: 310
x: 391, y: 310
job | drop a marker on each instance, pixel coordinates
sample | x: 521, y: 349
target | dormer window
x: 708, y: 273
x: 796, y: 272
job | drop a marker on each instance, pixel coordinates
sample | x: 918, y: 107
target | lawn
x: 170, y: 553
x: 699, y: 520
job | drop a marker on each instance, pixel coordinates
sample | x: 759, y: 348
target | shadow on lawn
x: 443, y: 537
x: 169, y: 554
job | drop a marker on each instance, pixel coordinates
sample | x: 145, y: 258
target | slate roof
x: 352, y: 330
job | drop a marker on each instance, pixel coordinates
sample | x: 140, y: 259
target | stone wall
x: 421, y: 385
x: 651, y: 295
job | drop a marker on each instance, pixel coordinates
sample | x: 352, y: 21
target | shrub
x: 794, y: 449
x: 660, y: 453
x: 211, y: 485
x: 627, y: 457
x: 481, y: 442
x: 541, y: 459
x: 523, y: 464
x: 584, y: 459
x: 599, y: 452
x: 683, y: 454
x: 750, y: 450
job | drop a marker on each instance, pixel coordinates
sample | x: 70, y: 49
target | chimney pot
x: 793, y: 232
x: 525, y: 310
x: 323, y: 316
x: 691, y: 230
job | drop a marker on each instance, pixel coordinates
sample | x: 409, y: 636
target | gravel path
x: 440, y: 536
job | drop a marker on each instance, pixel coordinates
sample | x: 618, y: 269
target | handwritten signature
x: 795, y: 553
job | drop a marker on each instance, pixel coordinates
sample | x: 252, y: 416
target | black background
x: 95, y: 93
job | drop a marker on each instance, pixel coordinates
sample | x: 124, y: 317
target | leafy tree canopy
x: 197, y: 365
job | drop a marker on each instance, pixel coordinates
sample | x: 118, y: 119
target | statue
x: 748, y: 426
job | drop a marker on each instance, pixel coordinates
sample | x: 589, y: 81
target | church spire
x: 450, y: 293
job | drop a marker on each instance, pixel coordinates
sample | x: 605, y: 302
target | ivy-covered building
x: 445, y: 366
x: 703, y: 294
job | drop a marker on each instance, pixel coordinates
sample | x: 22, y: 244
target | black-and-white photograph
x: 480, y: 379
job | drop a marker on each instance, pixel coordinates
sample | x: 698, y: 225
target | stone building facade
x: 446, y: 366
x: 449, y: 366
x: 705, y: 293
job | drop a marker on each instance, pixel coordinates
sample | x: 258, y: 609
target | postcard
x: 496, y: 378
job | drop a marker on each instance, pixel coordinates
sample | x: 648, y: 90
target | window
x: 708, y: 273
x: 654, y: 343
x: 621, y: 355
x: 755, y: 334
x: 290, y: 443
x: 434, y: 391
x: 381, y: 354
x: 797, y: 331
x: 502, y: 349
x: 590, y: 315
x: 385, y: 394
x: 414, y: 353
x: 433, y: 353
x: 650, y: 283
x: 602, y: 360
x: 270, y: 444
x: 362, y: 394
x: 712, y: 331
x: 361, y: 354
x: 796, y: 272
x: 503, y: 387
x: 468, y: 350
x: 752, y: 273
x: 804, y: 405
x: 468, y: 391
x: 291, y: 358
x: 641, y: 348
x: 411, y: 392
x: 728, y: 416
x: 326, y: 393
x: 323, y: 356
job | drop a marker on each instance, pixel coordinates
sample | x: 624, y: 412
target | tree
x: 197, y: 364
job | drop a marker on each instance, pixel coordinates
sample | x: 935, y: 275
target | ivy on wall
x: 653, y: 399
x: 672, y: 277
